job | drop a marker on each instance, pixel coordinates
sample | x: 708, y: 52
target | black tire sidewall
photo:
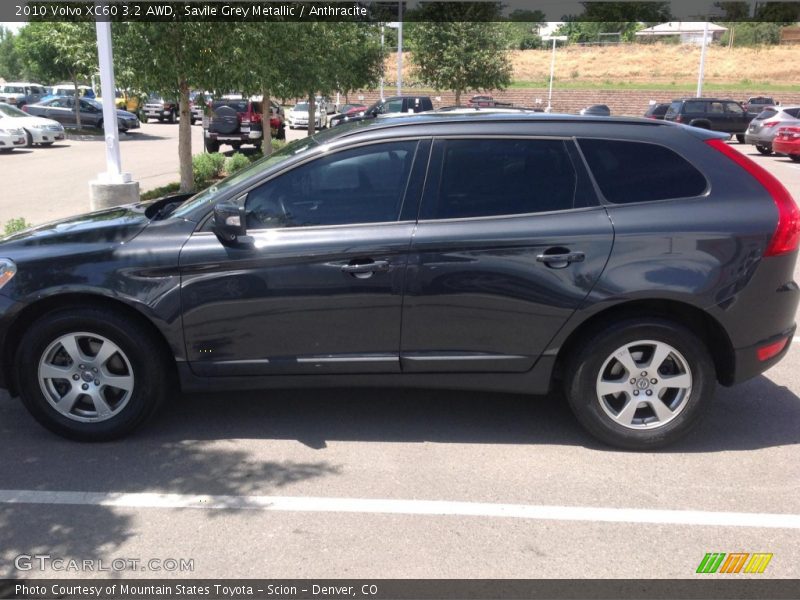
x: 585, y: 366
x: 151, y: 379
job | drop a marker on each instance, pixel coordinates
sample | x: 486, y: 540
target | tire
x: 160, y: 119
x: 99, y: 124
x: 794, y: 157
x: 29, y: 139
x: 46, y: 144
x: 594, y: 363
x: 134, y: 357
x: 765, y: 150
x: 173, y: 118
x: 282, y: 132
x: 236, y: 146
x: 212, y: 145
x: 740, y: 138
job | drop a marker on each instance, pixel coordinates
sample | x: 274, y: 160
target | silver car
x: 763, y: 129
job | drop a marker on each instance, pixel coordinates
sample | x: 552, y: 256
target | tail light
x: 787, y: 233
x: 766, y: 352
x: 770, y: 123
x: 789, y: 133
x: 678, y: 119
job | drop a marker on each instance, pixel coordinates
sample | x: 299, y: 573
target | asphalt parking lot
x: 386, y: 483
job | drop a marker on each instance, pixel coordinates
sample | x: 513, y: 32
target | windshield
x: 94, y: 103
x: 209, y: 196
x: 301, y: 106
x: 10, y: 111
x: 12, y: 89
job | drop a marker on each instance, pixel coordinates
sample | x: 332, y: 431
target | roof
x: 679, y: 27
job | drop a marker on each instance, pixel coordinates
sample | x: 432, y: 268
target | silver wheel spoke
x: 660, y: 354
x: 684, y: 380
x: 662, y: 411
x: 606, y: 388
x: 625, y: 416
x: 626, y: 360
x: 70, y: 345
x: 121, y: 382
x: 69, y: 399
x: 49, y: 371
x: 106, y: 351
x: 101, y: 406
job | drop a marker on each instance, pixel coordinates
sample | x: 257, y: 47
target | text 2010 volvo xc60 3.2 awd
x: 631, y: 263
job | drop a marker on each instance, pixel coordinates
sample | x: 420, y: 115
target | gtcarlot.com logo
x: 45, y: 562
x: 734, y: 562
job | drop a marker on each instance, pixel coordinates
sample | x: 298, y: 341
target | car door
x: 737, y: 117
x: 510, y: 241
x: 319, y: 288
x: 61, y: 110
x: 90, y: 114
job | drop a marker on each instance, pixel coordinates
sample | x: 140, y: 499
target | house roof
x: 679, y: 27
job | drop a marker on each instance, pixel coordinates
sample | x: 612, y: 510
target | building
x: 690, y: 32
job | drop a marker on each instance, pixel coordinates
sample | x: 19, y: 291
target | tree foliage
x: 59, y: 52
x: 461, y: 55
x: 11, y: 66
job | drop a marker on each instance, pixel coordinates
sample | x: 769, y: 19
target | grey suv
x: 629, y: 263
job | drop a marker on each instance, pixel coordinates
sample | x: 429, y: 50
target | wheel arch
x: 698, y: 321
x: 38, y: 309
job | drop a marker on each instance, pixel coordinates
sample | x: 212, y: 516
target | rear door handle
x: 366, y: 269
x: 559, y: 261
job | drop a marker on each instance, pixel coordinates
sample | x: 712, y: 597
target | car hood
x: 110, y: 226
x: 31, y: 121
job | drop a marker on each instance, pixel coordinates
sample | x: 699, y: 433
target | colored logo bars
x: 735, y: 562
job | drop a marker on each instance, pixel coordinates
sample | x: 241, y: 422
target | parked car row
x: 19, y: 129
x: 62, y: 109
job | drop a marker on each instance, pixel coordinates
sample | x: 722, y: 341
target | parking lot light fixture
x: 555, y: 38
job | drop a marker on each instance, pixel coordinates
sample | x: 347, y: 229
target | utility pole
x: 702, y: 61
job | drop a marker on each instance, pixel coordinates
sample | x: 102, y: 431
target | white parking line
x: 405, y: 507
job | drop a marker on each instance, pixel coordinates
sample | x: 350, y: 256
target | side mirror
x: 230, y: 222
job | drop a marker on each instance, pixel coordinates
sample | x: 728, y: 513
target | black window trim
x: 495, y: 136
x: 601, y: 196
x: 326, y: 150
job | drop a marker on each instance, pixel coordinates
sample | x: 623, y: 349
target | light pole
x: 382, y: 65
x: 555, y: 38
x: 399, y: 48
x: 701, y: 74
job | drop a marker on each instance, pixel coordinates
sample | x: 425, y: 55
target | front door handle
x: 559, y: 261
x: 363, y: 270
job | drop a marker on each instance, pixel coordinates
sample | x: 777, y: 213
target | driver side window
x: 362, y: 185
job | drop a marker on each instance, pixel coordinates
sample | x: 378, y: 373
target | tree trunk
x: 312, y: 113
x: 185, y: 139
x: 266, y: 118
x: 458, y: 97
x: 77, y: 102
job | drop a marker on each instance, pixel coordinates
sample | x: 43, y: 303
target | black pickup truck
x: 716, y: 114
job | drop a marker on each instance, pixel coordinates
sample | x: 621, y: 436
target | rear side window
x: 732, y: 107
x: 766, y: 114
x: 628, y: 172
x: 695, y: 108
x: 793, y: 112
x: 674, y: 109
x: 485, y: 177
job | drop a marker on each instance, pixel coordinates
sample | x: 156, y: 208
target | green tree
x: 172, y: 59
x: 59, y: 51
x: 461, y: 55
x: 10, y: 60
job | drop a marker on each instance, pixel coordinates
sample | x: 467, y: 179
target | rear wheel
x: 640, y: 384
x: 91, y: 374
x: 795, y: 157
x: 212, y: 145
x: 173, y: 118
x: 740, y: 138
x: 765, y: 150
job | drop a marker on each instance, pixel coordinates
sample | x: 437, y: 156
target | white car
x: 37, y: 130
x: 10, y: 136
x: 298, y: 116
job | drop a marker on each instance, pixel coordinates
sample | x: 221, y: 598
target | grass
x: 670, y: 67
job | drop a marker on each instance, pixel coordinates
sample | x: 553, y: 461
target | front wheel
x: 640, y: 384
x: 765, y: 150
x: 795, y: 157
x: 740, y: 138
x: 91, y: 374
x: 29, y: 139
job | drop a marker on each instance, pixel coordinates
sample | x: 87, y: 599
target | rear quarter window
x: 628, y: 172
x: 766, y: 114
x: 793, y: 112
